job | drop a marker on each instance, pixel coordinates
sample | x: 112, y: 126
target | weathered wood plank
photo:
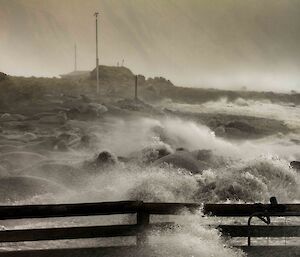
x: 67, y: 210
x: 133, y: 251
x: 260, y: 231
x: 170, y: 208
x: 272, y: 251
x: 225, y: 210
x: 143, y: 220
x: 68, y: 233
x: 116, y: 251
x: 107, y: 208
x: 246, y: 210
x: 22, y: 235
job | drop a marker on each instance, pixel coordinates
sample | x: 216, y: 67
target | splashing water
x: 248, y: 171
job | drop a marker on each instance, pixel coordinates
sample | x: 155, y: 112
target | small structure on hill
x: 112, y: 73
x: 76, y: 75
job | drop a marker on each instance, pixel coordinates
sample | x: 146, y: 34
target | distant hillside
x: 121, y: 80
x: 118, y: 82
x: 201, y: 95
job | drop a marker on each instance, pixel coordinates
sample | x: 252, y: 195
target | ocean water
x: 244, y: 171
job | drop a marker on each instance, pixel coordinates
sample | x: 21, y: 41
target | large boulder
x: 103, y: 160
x: 295, y: 165
x: 86, y: 111
x: 95, y: 109
x: 242, y: 126
x: 184, y: 160
x: 152, y: 153
x: 135, y: 105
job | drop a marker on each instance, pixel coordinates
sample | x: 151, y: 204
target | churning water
x: 208, y: 169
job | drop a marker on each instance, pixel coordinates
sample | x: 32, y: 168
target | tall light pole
x: 97, y: 57
x: 75, y: 58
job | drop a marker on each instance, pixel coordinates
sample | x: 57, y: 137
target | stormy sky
x: 201, y: 43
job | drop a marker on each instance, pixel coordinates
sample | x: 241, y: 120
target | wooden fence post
x: 143, y: 220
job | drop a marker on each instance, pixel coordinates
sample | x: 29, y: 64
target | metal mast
x: 75, y: 63
x: 97, y: 57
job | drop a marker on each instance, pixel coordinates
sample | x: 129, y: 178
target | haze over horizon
x: 223, y: 44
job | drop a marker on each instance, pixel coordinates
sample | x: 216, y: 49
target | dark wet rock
x: 98, y: 109
x: 295, y: 141
x: 86, y: 140
x: 220, y: 131
x: 208, y: 158
x: 181, y: 149
x: 295, y: 165
x: 85, y: 99
x: 123, y: 159
x: 153, y: 153
x: 61, y: 145
x: 235, y: 129
x: 73, y: 113
x: 135, y: 105
x: 203, y: 155
x: 213, y: 123
x: 24, y: 126
x: 184, y: 160
x: 103, y: 160
x: 87, y: 111
x: 240, y: 125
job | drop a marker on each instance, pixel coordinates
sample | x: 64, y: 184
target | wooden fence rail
x: 142, y: 225
x: 126, y: 207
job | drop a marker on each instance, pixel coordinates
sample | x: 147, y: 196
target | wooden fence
x: 142, y: 226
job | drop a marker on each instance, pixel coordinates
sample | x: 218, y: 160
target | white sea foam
x: 250, y: 171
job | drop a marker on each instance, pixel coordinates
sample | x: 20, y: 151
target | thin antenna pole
x: 97, y: 57
x: 135, y: 88
x: 75, y: 64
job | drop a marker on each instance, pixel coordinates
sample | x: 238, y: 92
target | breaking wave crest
x: 249, y: 171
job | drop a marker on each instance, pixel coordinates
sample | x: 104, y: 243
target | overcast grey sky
x: 212, y: 43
